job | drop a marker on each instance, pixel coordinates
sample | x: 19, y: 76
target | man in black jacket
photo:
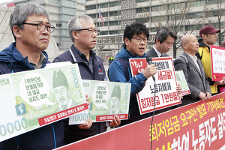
x: 164, y: 40
x: 83, y: 33
x: 31, y: 28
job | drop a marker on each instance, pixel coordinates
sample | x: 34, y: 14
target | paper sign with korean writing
x: 217, y: 62
x: 164, y: 87
x: 106, y: 99
x: 32, y: 99
x: 197, y: 126
x: 182, y: 81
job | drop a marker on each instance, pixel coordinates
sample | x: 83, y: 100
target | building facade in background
x: 184, y: 16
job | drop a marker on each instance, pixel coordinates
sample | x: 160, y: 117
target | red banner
x: 198, y: 126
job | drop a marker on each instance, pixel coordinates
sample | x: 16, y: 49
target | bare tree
x: 218, y: 13
x: 175, y: 15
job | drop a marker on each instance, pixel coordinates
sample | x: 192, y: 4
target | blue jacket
x: 85, y: 72
x: 44, y: 138
x: 117, y: 73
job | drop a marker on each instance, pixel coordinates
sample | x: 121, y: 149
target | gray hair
x: 75, y: 24
x: 22, y: 12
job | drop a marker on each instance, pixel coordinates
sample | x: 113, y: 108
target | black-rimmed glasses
x: 90, y: 30
x: 42, y: 27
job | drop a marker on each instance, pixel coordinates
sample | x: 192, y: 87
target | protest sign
x: 30, y: 99
x: 106, y: 99
x: 217, y: 62
x: 182, y: 81
x: 197, y: 126
x: 161, y: 92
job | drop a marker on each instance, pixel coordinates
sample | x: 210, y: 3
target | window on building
x: 194, y: 15
x: 113, y: 32
x: 111, y: 4
x: 114, y: 13
x: 104, y: 5
x: 208, y: 2
x: 103, y: 32
x: 154, y: 29
x: 176, y: 5
x: 193, y: 27
x: 105, y: 24
x: 90, y: 7
x: 158, y: 8
x: 138, y: 1
x: 142, y: 10
x: 143, y: 20
x: 196, y: 3
x: 103, y: 14
x: 158, y: 18
x: 113, y: 23
x: 92, y: 15
x: 176, y: 17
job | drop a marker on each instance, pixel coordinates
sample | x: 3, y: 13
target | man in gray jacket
x: 193, y: 71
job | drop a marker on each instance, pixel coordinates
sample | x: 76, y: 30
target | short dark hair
x: 163, y: 32
x: 135, y: 28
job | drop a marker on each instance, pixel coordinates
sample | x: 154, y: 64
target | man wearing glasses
x: 31, y: 28
x: 164, y: 40
x: 135, y: 41
x: 83, y: 33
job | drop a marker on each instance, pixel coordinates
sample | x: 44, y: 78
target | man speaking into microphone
x: 135, y: 38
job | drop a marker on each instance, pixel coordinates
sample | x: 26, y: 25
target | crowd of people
x: 31, y: 27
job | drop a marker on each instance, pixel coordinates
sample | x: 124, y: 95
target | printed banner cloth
x: 197, y: 126
x: 32, y: 99
x: 106, y: 99
x: 164, y: 87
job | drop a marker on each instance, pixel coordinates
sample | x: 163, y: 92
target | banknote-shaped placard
x: 182, y: 81
x: 31, y: 99
x: 106, y: 99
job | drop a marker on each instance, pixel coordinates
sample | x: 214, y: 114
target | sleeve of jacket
x: 116, y: 74
x: 180, y: 64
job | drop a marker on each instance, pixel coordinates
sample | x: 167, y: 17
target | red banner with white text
x: 198, y: 126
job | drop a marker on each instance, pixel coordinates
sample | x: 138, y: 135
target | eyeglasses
x: 140, y: 39
x: 90, y: 30
x: 42, y: 27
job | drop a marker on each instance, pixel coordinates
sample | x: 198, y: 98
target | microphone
x: 149, y: 60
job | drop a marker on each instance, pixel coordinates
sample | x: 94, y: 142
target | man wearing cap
x: 209, y: 37
x: 61, y: 91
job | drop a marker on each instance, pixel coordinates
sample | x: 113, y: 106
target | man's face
x: 192, y: 44
x: 62, y: 95
x: 210, y: 38
x: 85, y: 39
x: 33, y: 39
x: 137, y: 44
x: 165, y: 46
x: 114, y: 103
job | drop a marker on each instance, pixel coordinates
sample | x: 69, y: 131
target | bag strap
x: 126, y: 65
